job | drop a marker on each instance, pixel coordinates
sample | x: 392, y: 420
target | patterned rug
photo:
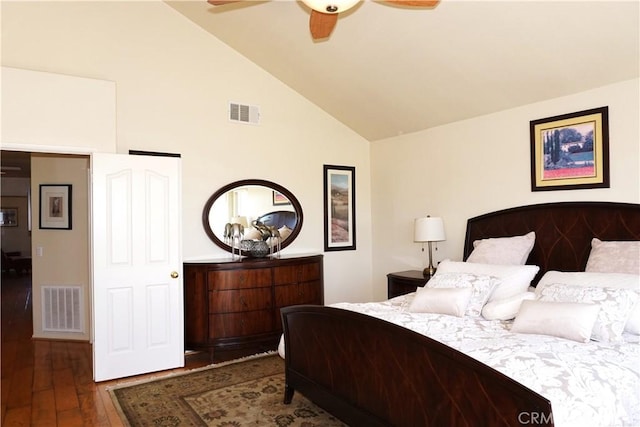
x: 249, y: 392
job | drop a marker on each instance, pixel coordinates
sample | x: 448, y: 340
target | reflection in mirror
x: 265, y: 211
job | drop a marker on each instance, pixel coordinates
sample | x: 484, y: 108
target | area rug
x: 248, y: 392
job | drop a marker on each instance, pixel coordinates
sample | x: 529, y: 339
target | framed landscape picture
x: 570, y: 151
x: 339, y: 208
x: 280, y: 199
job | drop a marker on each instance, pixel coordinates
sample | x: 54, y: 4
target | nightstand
x: 404, y: 282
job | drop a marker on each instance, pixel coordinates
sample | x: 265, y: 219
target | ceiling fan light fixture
x: 330, y: 6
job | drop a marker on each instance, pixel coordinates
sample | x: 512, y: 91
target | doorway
x: 15, y: 211
x: 15, y: 224
x: 59, y: 257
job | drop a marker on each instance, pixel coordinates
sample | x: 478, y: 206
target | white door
x: 136, y: 265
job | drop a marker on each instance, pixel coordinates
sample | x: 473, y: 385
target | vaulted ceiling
x: 388, y: 70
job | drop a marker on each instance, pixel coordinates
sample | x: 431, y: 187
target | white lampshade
x: 330, y: 6
x: 242, y: 220
x: 429, y: 229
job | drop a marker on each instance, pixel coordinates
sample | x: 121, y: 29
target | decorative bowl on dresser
x: 232, y: 307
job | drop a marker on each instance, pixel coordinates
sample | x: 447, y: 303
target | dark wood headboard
x: 278, y: 219
x: 563, y: 230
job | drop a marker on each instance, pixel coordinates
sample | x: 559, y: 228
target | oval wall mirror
x: 245, y: 201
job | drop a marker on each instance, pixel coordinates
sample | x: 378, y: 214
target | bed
x: 279, y: 219
x: 378, y: 364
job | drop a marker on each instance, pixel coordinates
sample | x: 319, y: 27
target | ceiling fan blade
x: 418, y: 3
x: 221, y: 2
x: 321, y: 24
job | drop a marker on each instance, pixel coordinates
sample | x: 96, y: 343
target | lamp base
x: 429, y: 271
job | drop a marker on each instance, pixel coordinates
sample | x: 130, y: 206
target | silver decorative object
x: 259, y: 249
x: 233, y: 233
x: 269, y: 234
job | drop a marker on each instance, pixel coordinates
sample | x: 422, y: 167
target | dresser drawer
x: 241, y: 324
x: 238, y: 279
x: 232, y: 307
x: 240, y: 300
x: 303, y: 293
x: 296, y: 273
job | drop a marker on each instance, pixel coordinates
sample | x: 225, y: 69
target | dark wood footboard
x: 369, y: 372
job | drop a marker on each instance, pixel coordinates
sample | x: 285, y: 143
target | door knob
x: 174, y: 274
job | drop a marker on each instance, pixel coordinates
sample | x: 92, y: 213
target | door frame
x: 60, y: 152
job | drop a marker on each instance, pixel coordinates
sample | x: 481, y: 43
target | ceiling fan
x: 324, y: 13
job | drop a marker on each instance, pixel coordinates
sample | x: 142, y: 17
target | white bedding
x: 588, y: 384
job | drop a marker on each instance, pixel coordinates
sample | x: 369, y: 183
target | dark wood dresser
x: 232, y: 308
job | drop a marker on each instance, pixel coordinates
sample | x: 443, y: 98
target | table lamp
x: 429, y: 229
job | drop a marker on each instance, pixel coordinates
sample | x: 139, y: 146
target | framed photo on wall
x: 55, y: 206
x: 339, y: 208
x: 570, y: 151
x: 8, y: 217
x: 280, y: 199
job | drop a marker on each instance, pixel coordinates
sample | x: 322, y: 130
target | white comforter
x: 592, y: 384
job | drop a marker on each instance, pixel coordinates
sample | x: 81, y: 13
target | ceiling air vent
x: 244, y: 113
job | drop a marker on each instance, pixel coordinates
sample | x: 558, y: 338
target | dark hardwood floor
x: 49, y: 383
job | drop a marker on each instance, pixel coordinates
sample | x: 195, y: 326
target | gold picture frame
x: 570, y: 151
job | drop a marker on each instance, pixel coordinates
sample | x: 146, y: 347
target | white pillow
x: 614, y: 257
x: 481, y: 285
x: 608, y: 280
x: 284, y: 232
x: 281, y: 346
x: 251, y: 234
x: 451, y: 301
x: 514, y: 279
x: 615, y: 306
x: 633, y: 322
x: 570, y: 320
x: 503, y: 250
x: 507, y: 308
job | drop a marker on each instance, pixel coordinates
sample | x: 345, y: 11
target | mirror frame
x: 272, y: 185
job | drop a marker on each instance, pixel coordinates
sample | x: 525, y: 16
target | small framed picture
x: 8, y: 217
x: 339, y: 208
x: 280, y: 199
x: 55, y: 206
x: 571, y: 151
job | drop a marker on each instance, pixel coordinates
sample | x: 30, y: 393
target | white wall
x: 173, y: 82
x: 476, y: 166
x: 70, y: 113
